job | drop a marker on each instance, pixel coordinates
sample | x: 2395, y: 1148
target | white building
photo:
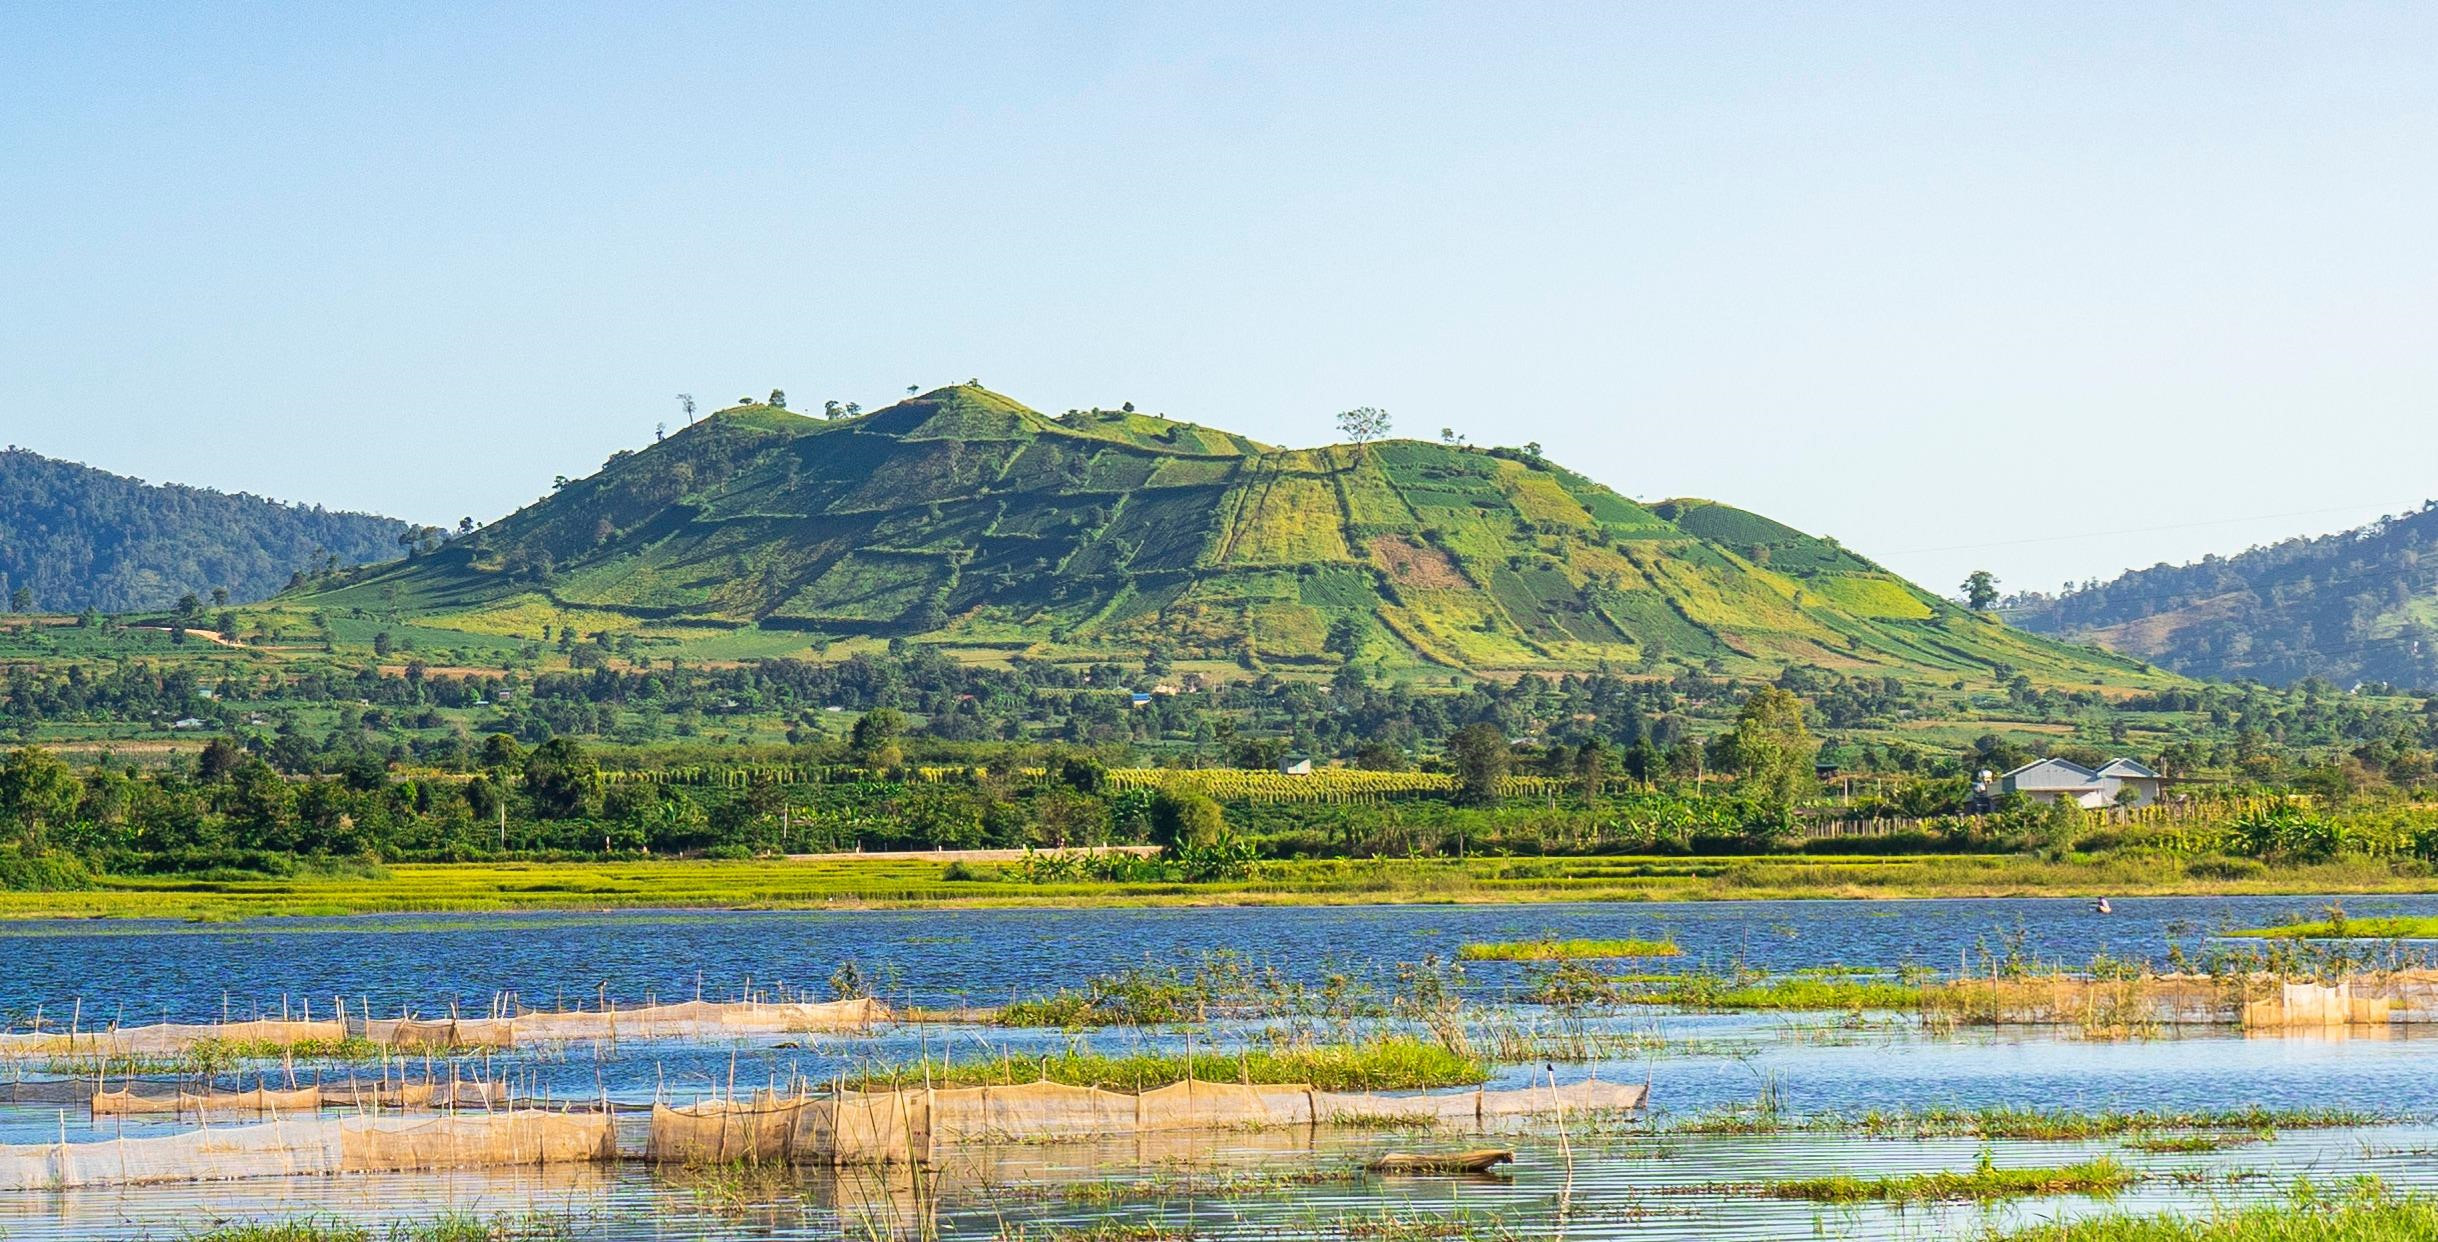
x: 2117, y: 782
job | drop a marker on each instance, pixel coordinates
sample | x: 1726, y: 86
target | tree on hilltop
x: 1363, y: 424
x: 1981, y: 590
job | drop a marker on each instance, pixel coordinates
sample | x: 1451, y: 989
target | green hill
x: 965, y: 519
x: 73, y: 537
x: 2360, y: 605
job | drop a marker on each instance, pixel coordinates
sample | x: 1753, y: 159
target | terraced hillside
x: 962, y: 518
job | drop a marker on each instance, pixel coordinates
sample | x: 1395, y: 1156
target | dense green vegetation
x: 73, y: 538
x: 2360, y: 605
x: 321, y: 768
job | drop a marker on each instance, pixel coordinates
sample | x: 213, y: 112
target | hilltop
x: 963, y: 518
x: 2360, y: 605
x: 75, y: 537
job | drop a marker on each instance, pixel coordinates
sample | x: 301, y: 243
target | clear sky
x: 2052, y: 289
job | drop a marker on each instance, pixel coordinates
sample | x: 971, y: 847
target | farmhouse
x: 2117, y: 782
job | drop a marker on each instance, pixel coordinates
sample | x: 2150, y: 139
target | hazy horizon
x: 2056, y: 293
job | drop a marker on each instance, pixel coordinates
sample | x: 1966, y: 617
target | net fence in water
x: 162, y: 1038
x: 883, y: 1127
x: 681, y: 1020
x: 432, y: 1096
x: 315, y: 1147
x: 2260, y: 1002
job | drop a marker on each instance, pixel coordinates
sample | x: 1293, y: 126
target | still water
x: 1622, y: 1181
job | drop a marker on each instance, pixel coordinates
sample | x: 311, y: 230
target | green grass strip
x: 1377, y: 1065
x: 1565, y: 950
x: 2103, y: 1176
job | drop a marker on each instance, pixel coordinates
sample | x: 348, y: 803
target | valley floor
x: 851, y: 882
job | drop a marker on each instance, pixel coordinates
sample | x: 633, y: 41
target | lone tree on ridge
x: 1981, y: 590
x: 1363, y: 424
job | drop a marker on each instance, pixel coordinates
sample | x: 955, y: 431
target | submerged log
x: 1443, y: 1164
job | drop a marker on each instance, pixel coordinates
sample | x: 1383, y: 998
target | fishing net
x: 396, y: 1096
x: 683, y: 1020
x: 760, y: 1132
x: 316, y: 1147
x: 881, y: 1127
x: 162, y: 1038
x: 2256, y: 1002
x: 258, y: 1100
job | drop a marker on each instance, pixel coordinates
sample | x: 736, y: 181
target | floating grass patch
x: 1986, y: 1182
x: 1783, y: 993
x: 452, y: 1228
x: 2190, y: 1144
x: 2042, y: 1126
x: 1106, y: 1231
x: 1565, y: 950
x: 1180, y: 1184
x: 1388, y: 1064
x: 2373, y: 1215
x: 2395, y: 927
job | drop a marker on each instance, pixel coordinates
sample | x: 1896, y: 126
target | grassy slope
x: 964, y: 518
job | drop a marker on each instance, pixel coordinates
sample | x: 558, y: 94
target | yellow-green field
x: 848, y: 883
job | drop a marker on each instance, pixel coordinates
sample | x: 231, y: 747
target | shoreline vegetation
x: 752, y: 884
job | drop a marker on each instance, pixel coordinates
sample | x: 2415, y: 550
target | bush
x: 42, y: 873
x: 1186, y: 819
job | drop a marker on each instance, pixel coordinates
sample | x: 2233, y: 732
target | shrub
x: 1186, y: 819
x: 42, y: 873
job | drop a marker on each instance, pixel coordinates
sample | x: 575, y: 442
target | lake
x: 1638, y: 1181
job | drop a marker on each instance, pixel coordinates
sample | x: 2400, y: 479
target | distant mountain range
x: 962, y: 518
x: 2351, y: 607
x: 73, y: 537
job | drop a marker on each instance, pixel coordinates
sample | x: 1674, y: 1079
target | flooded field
x: 1746, y: 1108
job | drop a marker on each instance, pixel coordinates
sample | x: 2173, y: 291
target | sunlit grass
x: 1565, y: 950
x: 850, y: 883
x: 1385, y: 1064
x: 2103, y: 1176
x: 2369, y: 1215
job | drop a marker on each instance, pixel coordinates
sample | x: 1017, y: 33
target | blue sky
x: 2052, y: 289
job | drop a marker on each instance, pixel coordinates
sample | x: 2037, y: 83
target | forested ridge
x: 73, y: 537
x: 2359, y: 605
